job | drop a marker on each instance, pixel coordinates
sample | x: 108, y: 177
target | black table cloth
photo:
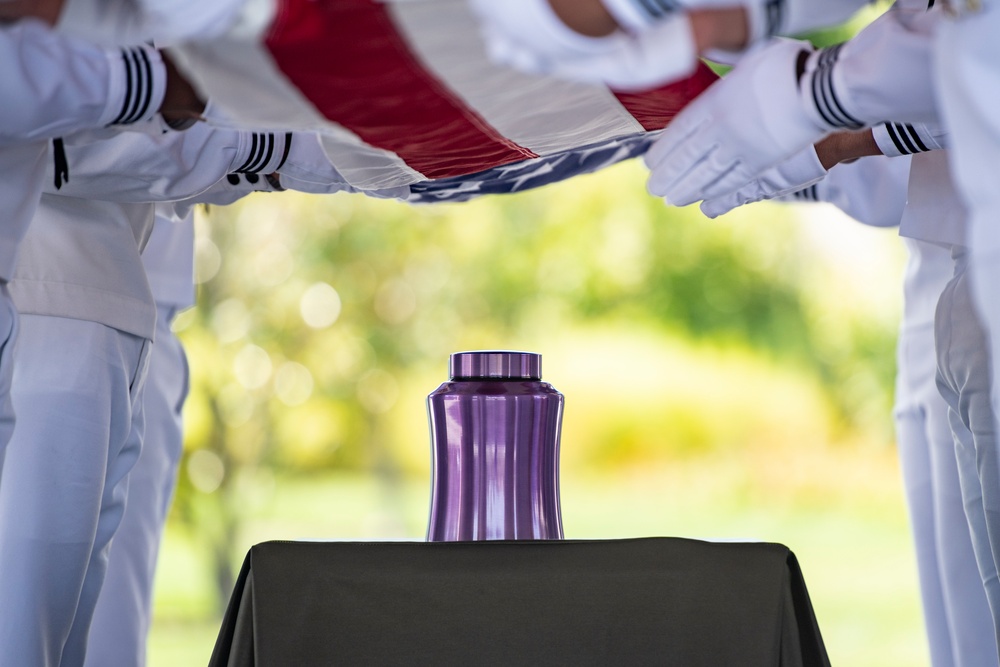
x: 655, y: 601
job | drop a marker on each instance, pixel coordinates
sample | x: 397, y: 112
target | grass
x: 841, y: 513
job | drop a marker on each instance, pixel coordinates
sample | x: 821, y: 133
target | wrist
x: 181, y: 105
x: 846, y: 147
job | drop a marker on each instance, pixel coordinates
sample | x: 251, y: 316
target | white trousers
x: 967, y: 69
x: 956, y: 615
x: 124, y: 609
x: 77, y: 389
x: 8, y: 336
x: 964, y: 375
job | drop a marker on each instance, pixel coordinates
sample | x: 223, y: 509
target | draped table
x: 650, y: 601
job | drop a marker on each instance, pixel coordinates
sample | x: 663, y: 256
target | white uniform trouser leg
x: 967, y: 63
x: 124, y: 609
x: 957, y: 616
x: 22, y: 169
x: 964, y: 373
x: 8, y: 337
x: 77, y: 388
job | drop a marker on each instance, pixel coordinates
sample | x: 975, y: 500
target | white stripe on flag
x: 543, y: 114
x: 241, y: 78
x: 364, y: 166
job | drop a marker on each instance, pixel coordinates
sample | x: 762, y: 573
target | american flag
x: 404, y: 95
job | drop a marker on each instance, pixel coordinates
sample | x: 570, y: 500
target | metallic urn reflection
x: 495, y: 429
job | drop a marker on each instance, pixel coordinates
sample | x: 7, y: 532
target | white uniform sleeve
x: 51, y: 85
x: 896, y: 139
x: 229, y: 190
x: 884, y: 73
x: 871, y: 190
x: 141, y: 167
x: 135, y: 21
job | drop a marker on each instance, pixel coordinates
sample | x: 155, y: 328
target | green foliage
x: 324, y: 321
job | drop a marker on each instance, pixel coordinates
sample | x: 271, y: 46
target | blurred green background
x: 727, y: 379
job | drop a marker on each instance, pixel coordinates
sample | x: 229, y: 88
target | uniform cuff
x: 820, y: 95
x: 138, y: 83
x: 809, y: 193
x: 897, y: 139
x: 261, y: 152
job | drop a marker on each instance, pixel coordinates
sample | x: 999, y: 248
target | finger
x: 729, y: 181
x: 677, y: 165
x: 692, y: 187
x: 681, y: 129
x: 718, y: 205
x: 713, y: 208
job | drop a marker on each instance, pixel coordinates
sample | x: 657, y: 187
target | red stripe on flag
x: 655, y: 108
x: 347, y: 58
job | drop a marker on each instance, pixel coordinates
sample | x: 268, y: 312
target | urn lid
x: 495, y: 364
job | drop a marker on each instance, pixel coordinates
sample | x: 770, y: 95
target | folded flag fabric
x: 403, y: 94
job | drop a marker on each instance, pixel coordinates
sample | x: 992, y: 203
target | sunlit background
x: 727, y: 379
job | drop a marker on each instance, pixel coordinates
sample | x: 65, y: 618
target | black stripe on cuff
x: 284, y: 155
x: 895, y: 139
x: 915, y: 136
x: 262, y: 155
x: 825, y: 97
x: 254, y: 151
x: 267, y: 156
x: 810, y: 193
x: 905, y: 138
x: 138, y: 86
x: 128, y: 89
x: 147, y: 70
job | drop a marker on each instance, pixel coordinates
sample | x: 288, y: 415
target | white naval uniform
x: 968, y: 77
x: 931, y: 226
x: 138, y: 21
x: 123, y: 615
x: 122, y: 618
x: 124, y: 609
x: 88, y: 319
x: 957, y: 614
x: 847, y: 91
x: 963, y: 376
x: 964, y: 380
x: 50, y: 85
x: 873, y: 191
x: 936, y: 215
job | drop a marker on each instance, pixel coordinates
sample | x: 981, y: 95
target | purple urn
x: 495, y: 430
